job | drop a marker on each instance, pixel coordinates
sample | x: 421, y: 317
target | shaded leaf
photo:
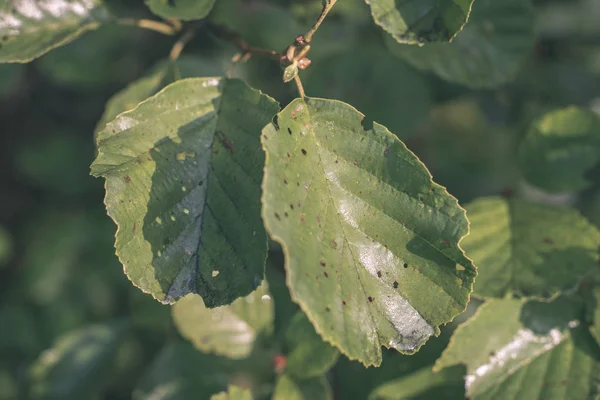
x: 487, y: 53
x: 29, y: 29
x: 595, y: 313
x: 157, y: 78
x: 180, y: 372
x: 424, y: 385
x: 306, y: 353
x: 533, y: 350
x: 185, y: 10
x: 288, y: 388
x: 12, y: 77
x: 559, y: 148
x: 369, y: 238
x: 78, y: 364
x: 6, y: 246
x: 529, y: 249
x: 421, y: 21
x: 228, y: 330
x: 233, y: 393
x: 182, y: 183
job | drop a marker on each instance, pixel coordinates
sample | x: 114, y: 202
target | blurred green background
x: 59, y: 276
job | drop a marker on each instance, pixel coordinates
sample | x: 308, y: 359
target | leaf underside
x: 183, y: 173
x: 371, y: 242
x: 185, y: 10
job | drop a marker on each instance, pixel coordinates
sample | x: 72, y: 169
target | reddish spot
x: 279, y: 363
x: 127, y: 179
x: 302, y: 218
x: 445, y: 242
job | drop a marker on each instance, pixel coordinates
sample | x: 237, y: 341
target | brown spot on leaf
x: 134, y: 227
x: 326, y: 274
x: 303, y: 151
x: 285, y: 181
x: 278, y: 217
x: 127, y: 179
x: 370, y: 299
x: 323, y: 264
x: 289, y: 131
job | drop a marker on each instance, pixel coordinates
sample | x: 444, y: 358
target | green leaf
x: 487, y: 53
x: 559, y: 148
x: 164, y: 73
x: 595, y: 313
x: 185, y: 10
x: 180, y: 372
x: 421, y: 21
x: 288, y: 388
x: 290, y: 72
x: 529, y: 249
x: 306, y: 353
x: 533, y: 350
x: 29, y: 29
x: 228, y: 330
x: 182, y: 183
x: 233, y: 393
x: 369, y: 239
x: 424, y: 385
x: 78, y: 364
x: 6, y: 247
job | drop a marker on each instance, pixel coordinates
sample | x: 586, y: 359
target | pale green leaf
x: 533, y: 350
x: 161, y: 75
x: 559, y: 148
x: 487, y: 53
x: 371, y: 242
x: 185, y: 10
x: 529, y: 249
x: 233, y: 393
x: 306, y: 353
x: 183, y: 174
x: 424, y: 385
x: 77, y: 365
x: 421, y: 21
x: 229, y: 330
x: 288, y: 388
x: 290, y: 72
x: 29, y: 29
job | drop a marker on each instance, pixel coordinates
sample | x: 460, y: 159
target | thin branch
x: 180, y: 44
x: 236, y: 39
x: 326, y: 8
x: 152, y: 25
x: 299, y: 86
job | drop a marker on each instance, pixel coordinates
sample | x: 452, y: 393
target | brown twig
x: 180, y: 44
x: 152, y: 25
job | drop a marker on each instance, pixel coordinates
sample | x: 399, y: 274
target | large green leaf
x: 158, y: 77
x: 559, y: 148
x: 181, y: 9
x: 307, y: 354
x: 228, y: 330
x: 233, y: 393
x: 487, y: 53
x: 288, y: 388
x: 182, y: 183
x: 534, y: 350
x: 529, y: 249
x: 180, y: 372
x: 424, y: 385
x: 421, y: 21
x: 371, y: 242
x: 78, y: 364
x: 30, y: 28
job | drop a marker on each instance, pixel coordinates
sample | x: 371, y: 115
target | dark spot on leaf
x: 386, y: 151
x: 420, y: 199
x: 336, y: 161
x: 299, y: 204
x: 344, y: 302
x: 291, y: 206
x: 278, y: 217
x: 303, y: 151
x: 134, y: 227
x: 395, y: 284
x: 323, y: 263
x: 302, y: 218
x: 326, y: 274
x: 288, y: 154
x: 370, y: 299
x: 127, y: 179
x: 285, y: 214
x: 356, y: 163
x: 327, y: 309
x: 276, y: 122
x: 379, y: 274
x: 547, y: 240
x: 405, y: 265
x: 289, y: 131
x: 285, y: 181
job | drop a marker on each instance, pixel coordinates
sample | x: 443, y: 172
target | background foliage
x: 509, y: 112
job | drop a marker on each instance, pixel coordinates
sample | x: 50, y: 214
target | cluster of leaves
x: 209, y: 181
